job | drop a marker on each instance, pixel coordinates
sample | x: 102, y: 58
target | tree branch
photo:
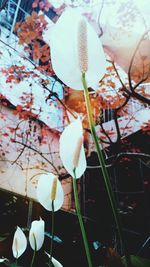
x: 38, y: 152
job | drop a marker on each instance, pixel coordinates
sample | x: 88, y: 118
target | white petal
x: 68, y: 143
x: 44, y: 189
x: 64, y: 51
x: 37, y: 232
x: 4, y: 259
x: 19, y: 243
x: 54, y: 261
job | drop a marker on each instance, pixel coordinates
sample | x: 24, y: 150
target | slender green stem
x: 105, y: 173
x: 16, y: 261
x: 35, y: 250
x: 75, y: 190
x: 51, y: 247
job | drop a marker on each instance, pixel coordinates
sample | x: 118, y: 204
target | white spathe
x: 68, y: 144
x: 36, y: 234
x: 54, y: 261
x: 44, y: 190
x: 63, y: 41
x: 3, y: 259
x: 19, y: 243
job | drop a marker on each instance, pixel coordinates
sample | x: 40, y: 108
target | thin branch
x: 21, y: 55
x: 38, y: 152
x: 117, y: 127
x: 118, y: 75
x: 54, y: 94
x: 98, y: 20
x: 3, y: 5
x: 108, y: 137
x: 101, y: 140
x: 141, y: 98
x: 132, y: 88
x: 124, y: 88
x: 23, y: 149
x: 132, y: 59
x: 128, y: 154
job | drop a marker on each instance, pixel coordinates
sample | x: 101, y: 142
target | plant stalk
x: 52, y: 231
x: 16, y: 262
x: 105, y: 173
x: 86, y: 246
x: 34, y: 253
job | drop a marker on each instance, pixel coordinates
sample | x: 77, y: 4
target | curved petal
x: 19, y: 243
x: 64, y: 51
x: 44, y: 189
x: 3, y: 259
x: 68, y: 144
x: 54, y: 261
x: 37, y: 234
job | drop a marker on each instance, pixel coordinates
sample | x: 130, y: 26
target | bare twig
x: 107, y: 135
x: 38, y: 152
x: 117, y: 157
x: 98, y: 20
x: 132, y: 88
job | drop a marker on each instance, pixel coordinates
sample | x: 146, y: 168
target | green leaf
x: 138, y: 261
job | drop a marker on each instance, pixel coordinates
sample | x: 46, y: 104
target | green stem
x: 51, y: 247
x: 35, y: 250
x: 81, y: 220
x: 105, y: 173
x: 16, y: 261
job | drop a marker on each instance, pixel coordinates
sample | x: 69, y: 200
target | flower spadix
x: 19, y: 243
x: 50, y: 189
x: 72, y: 151
x: 36, y: 234
x: 76, y: 48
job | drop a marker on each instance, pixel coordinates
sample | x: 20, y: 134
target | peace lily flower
x: 50, y: 189
x: 76, y: 48
x: 36, y: 234
x: 3, y: 259
x: 19, y: 243
x: 54, y: 261
x: 72, y: 151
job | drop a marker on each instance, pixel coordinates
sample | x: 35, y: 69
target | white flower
x: 36, y: 234
x: 45, y: 192
x: 19, y: 243
x: 71, y: 39
x: 54, y: 261
x: 72, y: 151
x: 3, y: 259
